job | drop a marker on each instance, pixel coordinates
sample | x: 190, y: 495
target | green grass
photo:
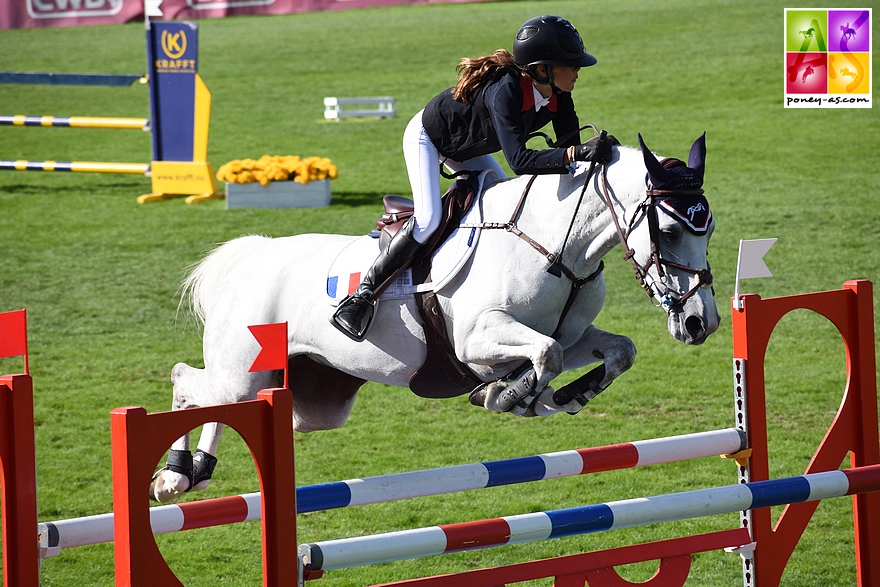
x: 98, y: 273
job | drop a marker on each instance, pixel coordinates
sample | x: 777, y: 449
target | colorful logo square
x: 805, y: 30
x: 807, y: 73
x: 849, y: 31
x: 848, y: 73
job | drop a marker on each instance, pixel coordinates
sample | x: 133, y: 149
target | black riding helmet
x: 549, y: 40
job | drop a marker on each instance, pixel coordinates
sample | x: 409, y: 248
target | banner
x: 17, y: 14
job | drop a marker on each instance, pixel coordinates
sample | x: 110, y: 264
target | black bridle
x: 648, y: 209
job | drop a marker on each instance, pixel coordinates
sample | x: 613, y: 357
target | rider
x: 498, y: 101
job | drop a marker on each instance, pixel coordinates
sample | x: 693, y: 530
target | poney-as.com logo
x: 827, y: 58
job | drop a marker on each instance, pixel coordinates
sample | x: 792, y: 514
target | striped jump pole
x: 76, y: 121
x: 70, y: 79
x: 76, y: 166
x: 58, y: 535
x: 365, y: 550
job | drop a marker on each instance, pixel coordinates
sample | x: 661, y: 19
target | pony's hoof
x: 486, y: 396
x: 513, y: 394
x: 167, y: 486
x: 478, y: 396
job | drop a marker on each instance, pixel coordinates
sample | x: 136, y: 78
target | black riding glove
x: 597, y: 149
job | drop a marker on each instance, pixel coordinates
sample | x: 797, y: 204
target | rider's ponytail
x: 473, y: 72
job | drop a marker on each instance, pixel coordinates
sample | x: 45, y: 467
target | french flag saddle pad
x: 354, y: 260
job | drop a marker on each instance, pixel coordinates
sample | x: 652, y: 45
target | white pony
x: 513, y: 324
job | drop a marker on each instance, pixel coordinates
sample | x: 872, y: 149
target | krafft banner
x: 17, y: 14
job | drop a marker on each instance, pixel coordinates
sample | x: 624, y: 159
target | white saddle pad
x: 345, y: 272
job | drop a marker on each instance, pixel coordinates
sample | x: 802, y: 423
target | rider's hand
x: 597, y: 149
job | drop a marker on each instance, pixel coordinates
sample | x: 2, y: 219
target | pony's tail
x: 205, y: 277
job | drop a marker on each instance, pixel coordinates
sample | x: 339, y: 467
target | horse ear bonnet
x: 692, y: 211
x: 676, y: 176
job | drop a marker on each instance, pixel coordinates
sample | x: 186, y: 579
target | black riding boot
x: 355, y: 312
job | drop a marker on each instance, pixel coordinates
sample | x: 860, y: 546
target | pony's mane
x: 628, y: 162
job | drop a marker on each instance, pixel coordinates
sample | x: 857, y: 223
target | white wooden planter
x: 278, y: 194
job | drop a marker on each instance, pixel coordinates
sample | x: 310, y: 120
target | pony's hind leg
x: 201, y: 388
x: 204, y: 460
x: 181, y: 470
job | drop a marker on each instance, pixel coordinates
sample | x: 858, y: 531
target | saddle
x: 442, y: 375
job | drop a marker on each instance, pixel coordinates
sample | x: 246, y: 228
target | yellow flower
x: 277, y: 168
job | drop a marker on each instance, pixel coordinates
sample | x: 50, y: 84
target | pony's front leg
x: 498, y: 341
x: 617, y: 353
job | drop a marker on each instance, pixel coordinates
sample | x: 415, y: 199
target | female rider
x: 498, y: 101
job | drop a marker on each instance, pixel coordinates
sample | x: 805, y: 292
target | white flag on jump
x: 750, y: 263
x: 751, y: 258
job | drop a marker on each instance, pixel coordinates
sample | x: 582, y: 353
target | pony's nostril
x: 694, y: 326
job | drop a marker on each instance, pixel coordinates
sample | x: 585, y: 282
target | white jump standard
x: 335, y: 108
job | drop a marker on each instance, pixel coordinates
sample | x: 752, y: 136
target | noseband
x: 648, y: 209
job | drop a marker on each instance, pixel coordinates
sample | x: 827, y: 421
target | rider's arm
x: 504, y: 100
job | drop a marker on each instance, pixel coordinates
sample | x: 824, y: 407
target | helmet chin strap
x: 547, y: 78
x: 553, y: 87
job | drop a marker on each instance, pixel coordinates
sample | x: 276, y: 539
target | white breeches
x: 422, y: 164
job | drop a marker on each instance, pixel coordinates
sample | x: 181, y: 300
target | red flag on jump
x: 273, y: 354
x: 13, y: 334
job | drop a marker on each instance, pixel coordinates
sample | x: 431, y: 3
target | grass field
x: 99, y: 273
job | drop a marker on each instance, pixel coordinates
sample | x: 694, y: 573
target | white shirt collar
x: 540, y: 100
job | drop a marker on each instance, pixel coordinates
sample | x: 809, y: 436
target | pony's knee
x: 619, y: 359
x: 179, y: 372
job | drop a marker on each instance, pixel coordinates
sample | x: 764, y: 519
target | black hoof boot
x: 203, y: 469
x: 583, y: 389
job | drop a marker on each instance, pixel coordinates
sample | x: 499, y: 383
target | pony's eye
x: 668, y: 235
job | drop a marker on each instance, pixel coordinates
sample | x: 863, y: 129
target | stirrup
x: 366, y: 319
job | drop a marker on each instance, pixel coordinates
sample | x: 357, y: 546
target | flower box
x: 278, y: 194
